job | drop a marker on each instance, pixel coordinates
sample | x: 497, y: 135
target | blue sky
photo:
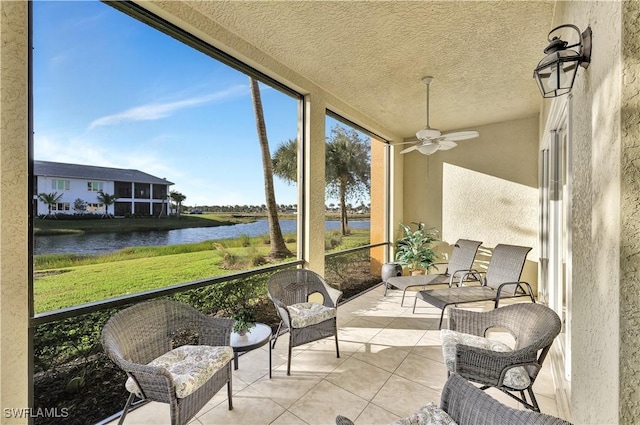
x: 113, y: 92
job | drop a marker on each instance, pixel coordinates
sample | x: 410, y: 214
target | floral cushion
x: 516, y: 378
x: 427, y: 415
x: 306, y: 314
x: 190, y: 366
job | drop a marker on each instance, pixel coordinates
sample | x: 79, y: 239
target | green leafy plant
x: 412, y: 249
x: 245, y: 320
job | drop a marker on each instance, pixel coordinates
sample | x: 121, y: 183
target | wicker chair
x: 501, y: 280
x: 307, y: 321
x: 459, y: 266
x: 491, y: 363
x: 466, y: 404
x: 142, y: 340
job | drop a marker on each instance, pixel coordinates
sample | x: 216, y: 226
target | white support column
x: 314, y: 184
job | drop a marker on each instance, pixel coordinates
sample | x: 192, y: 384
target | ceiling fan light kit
x: 431, y: 140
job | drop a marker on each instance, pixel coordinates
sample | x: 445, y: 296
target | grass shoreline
x: 70, y: 226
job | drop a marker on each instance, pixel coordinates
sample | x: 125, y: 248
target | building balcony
x: 390, y: 365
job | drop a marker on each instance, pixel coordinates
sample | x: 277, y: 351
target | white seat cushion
x: 516, y: 378
x: 427, y: 415
x: 190, y: 366
x: 306, y: 314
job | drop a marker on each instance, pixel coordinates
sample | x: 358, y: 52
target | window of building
x: 93, y: 207
x: 61, y: 206
x: 60, y: 184
x: 95, y: 186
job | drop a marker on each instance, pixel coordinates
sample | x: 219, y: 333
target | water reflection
x: 102, y: 243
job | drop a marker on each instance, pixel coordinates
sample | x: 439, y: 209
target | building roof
x: 78, y: 171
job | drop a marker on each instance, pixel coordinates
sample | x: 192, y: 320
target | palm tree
x: 50, y: 199
x: 278, y: 247
x: 106, y: 200
x: 178, y: 198
x: 285, y: 161
x: 347, y: 168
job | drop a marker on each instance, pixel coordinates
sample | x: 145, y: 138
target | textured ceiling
x: 373, y: 54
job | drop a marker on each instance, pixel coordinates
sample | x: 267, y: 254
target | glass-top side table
x: 255, y: 337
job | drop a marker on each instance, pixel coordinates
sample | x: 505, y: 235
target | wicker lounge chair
x: 465, y: 404
x: 492, y: 363
x: 501, y: 280
x: 141, y: 341
x: 459, y: 265
x: 307, y: 321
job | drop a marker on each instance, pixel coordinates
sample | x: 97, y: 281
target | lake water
x: 101, y: 243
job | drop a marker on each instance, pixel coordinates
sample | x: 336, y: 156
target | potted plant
x: 412, y: 249
x: 245, y: 320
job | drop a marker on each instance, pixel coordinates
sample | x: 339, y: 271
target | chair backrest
x: 532, y: 325
x: 295, y: 285
x: 469, y: 405
x: 462, y: 256
x: 142, y: 332
x: 506, y: 265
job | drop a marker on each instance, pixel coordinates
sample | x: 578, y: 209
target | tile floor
x: 390, y: 365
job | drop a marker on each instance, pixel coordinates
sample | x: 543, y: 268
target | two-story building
x: 137, y: 192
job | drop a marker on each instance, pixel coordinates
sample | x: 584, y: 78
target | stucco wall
x: 14, y: 312
x: 595, y: 215
x: 630, y: 217
x: 484, y: 189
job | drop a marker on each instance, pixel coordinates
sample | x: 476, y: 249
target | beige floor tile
x: 374, y: 415
x: 152, y: 413
x: 252, y: 366
x: 288, y: 418
x: 430, y: 373
x: 413, y: 322
x: 360, y: 378
x: 404, y: 338
x: 431, y: 352
x: 312, y: 362
x: 547, y: 405
x: 383, y: 356
x: 249, y: 407
x: 403, y: 397
x: 325, y: 401
x: 286, y: 390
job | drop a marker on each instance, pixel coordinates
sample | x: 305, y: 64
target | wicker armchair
x: 466, y: 404
x: 493, y: 364
x: 307, y: 321
x: 143, y: 341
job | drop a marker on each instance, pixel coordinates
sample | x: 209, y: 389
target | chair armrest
x: 464, y: 274
x: 519, y: 284
x: 334, y: 296
x: 489, y: 367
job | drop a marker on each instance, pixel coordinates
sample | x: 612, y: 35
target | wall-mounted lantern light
x: 557, y: 70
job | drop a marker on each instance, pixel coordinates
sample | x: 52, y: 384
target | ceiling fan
x: 431, y: 140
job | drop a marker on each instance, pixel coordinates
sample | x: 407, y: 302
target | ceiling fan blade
x: 445, y: 145
x: 409, y: 149
x: 404, y: 142
x: 460, y: 135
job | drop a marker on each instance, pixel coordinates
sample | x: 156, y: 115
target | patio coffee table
x: 255, y: 337
x: 406, y: 282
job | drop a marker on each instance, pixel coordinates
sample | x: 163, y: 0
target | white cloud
x: 155, y: 111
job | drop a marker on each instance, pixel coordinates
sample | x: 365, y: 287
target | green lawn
x: 62, y: 281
